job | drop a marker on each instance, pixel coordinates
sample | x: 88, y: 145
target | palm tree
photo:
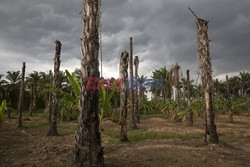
x: 219, y: 88
x: 33, y: 81
x: 165, y: 76
x: 2, y: 87
x: 234, y: 84
x: 244, y: 82
x: 13, y: 79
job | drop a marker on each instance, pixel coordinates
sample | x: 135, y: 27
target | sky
x: 164, y: 32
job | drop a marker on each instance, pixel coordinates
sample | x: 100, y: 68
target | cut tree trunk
x: 21, y: 98
x: 88, y: 150
x: 123, y: 96
x: 177, y: 85
x: 132, y: 108
x: 56, y: 84
x: 189, y: 112
x: 31, y: 99
x: 50, y: 97
x: 137, y: 112
x: 229, y: 103
x: 115, y: 106
x: 206, y: 76
x: 248, y: 106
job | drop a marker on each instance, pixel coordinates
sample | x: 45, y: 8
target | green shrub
x: 3, y: 108
x: 239, y: 105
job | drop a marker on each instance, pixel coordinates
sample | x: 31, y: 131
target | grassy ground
x: 157, y: 142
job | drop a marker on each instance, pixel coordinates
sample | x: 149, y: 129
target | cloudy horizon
x: 164, y: 32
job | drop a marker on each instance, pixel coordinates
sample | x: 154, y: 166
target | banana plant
x: 69, y: 104
x: 106, y: 108
x: 239, y: 105
x: 146, y: 106
x: 3, y: 108
x: 198, y: 106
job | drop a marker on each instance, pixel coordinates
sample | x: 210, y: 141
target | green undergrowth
x: 226, y: 144
x: 137, y: 136
x: 158, y: 115
x: 38, y: 124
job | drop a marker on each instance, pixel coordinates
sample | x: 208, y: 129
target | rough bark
x: 229, y: 103
x: 189, y: 112
x: 206, y: 76
x: 50, y: 99
x: 177, y: 85
x: 248, y: 106
x: 88, y: 150
x: 21, y: 98
x: 56, y: 84
x: 115, y: 106
x: 137, y: 112
x: 132, y: 108
x: 123, y: 96
x: 31, y: 100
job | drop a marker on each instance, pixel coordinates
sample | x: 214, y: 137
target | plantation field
x: 157, y: 142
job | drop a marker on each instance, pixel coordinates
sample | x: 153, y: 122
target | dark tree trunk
x: 229, y: 103
x: 137, y: 112
x: 8, y: 110
x: 31, y: 99
x: 56, y: 83
x: 177, y: 85
x: 189, y: 112
x: 115, y: 106
x: 206, y: 76
x: 50, y: 98
x: 34, y: 107
x: 248, y: 106
x: 132, y: 108
x: 21, y: 97
x: 123, y: 96
x: 88, y: 150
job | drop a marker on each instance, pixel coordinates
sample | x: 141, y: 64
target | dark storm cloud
x: 164, y: 32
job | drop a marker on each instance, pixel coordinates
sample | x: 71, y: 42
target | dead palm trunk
x: 21, y: 97
x: 56, y: 84
x: 189, y: 112
x: 123, y: 96
x: 31, y: 99
x: 137, y: 112
x: 177, y: 85
x: 248, y: 106
x: 206, y: 76
x: 115, y: 106
x: 88, y: 150
x: 132, y: 108
x: 229, y: 103
x: 50, y: 98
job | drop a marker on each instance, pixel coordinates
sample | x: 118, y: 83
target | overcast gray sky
x: 164, y: 32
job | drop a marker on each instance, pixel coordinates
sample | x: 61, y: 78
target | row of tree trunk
x: 88, y: 150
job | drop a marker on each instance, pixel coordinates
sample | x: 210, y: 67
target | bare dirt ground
x: 32, y: 147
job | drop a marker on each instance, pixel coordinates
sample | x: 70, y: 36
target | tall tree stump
x: 88, y: 150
